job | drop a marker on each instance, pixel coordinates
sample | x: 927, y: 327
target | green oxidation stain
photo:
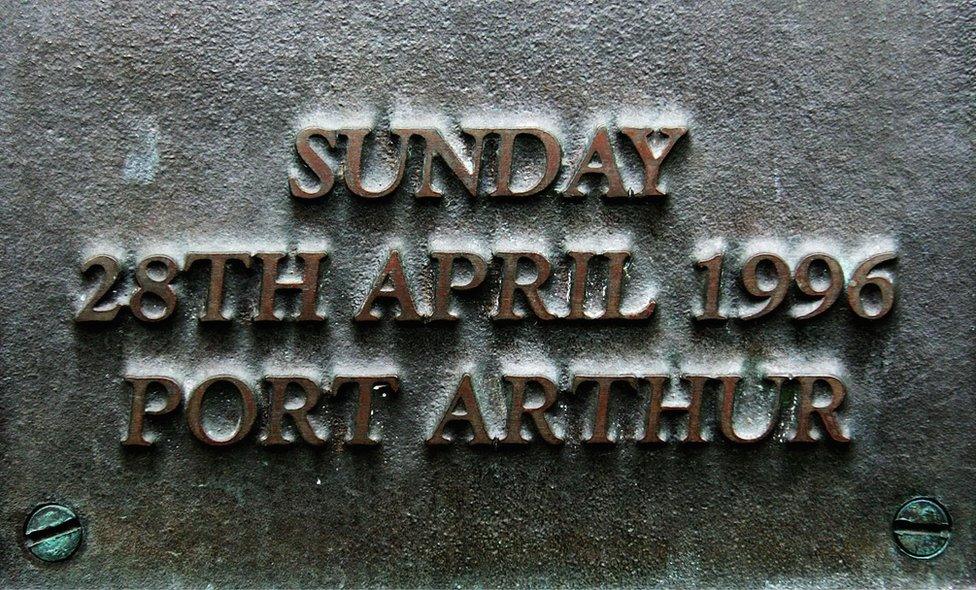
x: 752, y: 370
x: 53, y: 533
x: 922, y: 528
x: 787, y: 398
x: 921, y: 545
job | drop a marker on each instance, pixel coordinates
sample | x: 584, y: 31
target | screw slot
x: 922, y: 528
x: 52, y: 533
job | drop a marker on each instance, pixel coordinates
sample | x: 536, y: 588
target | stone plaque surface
x: 703, y: 317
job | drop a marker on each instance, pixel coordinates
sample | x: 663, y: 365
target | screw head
x: 922, y: 528
x: 53, y: 533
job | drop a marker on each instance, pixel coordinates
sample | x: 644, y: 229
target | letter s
x: 314, y: 161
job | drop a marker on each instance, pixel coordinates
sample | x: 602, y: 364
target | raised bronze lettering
x: 391, y: 284
x: 218, y: 268
x: 651, y: 158
x: 445, y: 284
x: 510, y: 284
x: 606, y: 166
x: 657, y: 407
x: 308, y: 284
x: 506, y: 153
x: 354, y: 165
x: 751, y: 282
x: 91, y: 311
x: 159, y: 287
x: 194, y: 411
x: 614, y: 288
x: 463, y: 408
x: 365, y: 386
x: 729, y: 383
x: 604, y: 386
x: 299, y: 415
x: 315, y: 163
x: 615, y: 291
x: 138, y: 411
x: 517, y: 410
x: 713, y: 266
x: 827, y: 414
x: 435, y: 145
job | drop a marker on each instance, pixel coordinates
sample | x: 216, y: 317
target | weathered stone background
x: 134, y: 128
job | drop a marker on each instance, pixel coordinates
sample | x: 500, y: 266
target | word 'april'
x: 599, y: 158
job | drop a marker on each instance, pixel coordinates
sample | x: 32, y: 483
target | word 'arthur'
x: 599, y: 158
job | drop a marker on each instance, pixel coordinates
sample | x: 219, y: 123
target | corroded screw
x: 922, y: 528
x: 52, y: 533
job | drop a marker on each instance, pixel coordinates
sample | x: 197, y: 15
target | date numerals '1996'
x: 817, y: 276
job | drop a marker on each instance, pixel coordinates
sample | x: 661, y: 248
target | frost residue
x: 142, y: 163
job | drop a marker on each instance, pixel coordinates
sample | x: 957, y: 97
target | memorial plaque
x: 488, y: 295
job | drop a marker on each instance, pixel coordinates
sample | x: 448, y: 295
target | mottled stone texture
x: 137, y: 128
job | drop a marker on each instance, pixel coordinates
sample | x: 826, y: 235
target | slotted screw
x: 922, y: 528
x: 52, y: 533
